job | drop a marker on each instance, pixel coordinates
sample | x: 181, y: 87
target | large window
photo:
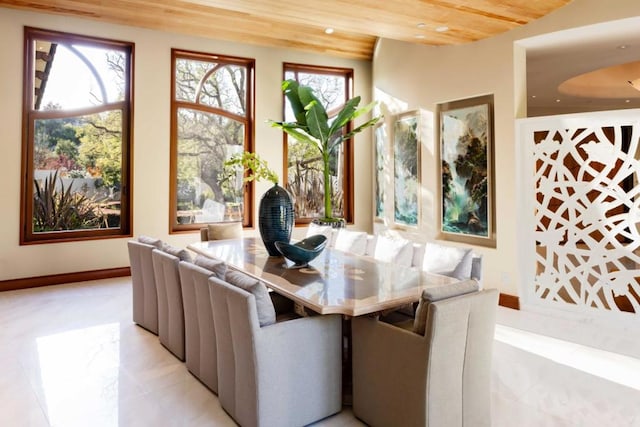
x: 304, y: 178
x: 76, y: 137
x: 211, y: 119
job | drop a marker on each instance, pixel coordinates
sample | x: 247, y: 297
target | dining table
x: 335, y: 282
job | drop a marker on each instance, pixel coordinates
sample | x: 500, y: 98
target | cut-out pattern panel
x: 586, y: 208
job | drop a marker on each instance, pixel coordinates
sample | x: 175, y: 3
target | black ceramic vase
x: 275, y: 218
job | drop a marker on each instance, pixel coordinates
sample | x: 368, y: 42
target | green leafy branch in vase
x: 256, y: 168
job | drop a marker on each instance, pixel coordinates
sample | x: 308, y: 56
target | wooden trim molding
x: 509, y: 301
x: 30, y: 115
x: 216, y: 62
x: 59, y: 279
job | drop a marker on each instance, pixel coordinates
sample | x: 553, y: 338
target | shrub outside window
x: 76, y: 137
x: 211, y: 119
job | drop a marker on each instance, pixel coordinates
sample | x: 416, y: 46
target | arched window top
x: 211, y: 119
x: 76, y: 138
x: 69, y: 76
x: 212, y: 84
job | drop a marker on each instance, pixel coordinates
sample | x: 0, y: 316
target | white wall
x: 151, y: 137
x: 408, y: 77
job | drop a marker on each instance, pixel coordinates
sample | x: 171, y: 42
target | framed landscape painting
x: 379, y: 162
x: 466, y: 161
x: 406, y: 169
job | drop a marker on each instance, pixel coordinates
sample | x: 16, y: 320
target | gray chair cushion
x: 170, y: 306
x: 430, y: 295
x: 447, y: 260
x: 224, y: 230
x: 476, y: 269
x: 393, y: 249
x: 216, y: 266
x: 264, y: 306
x: 143, y: 284
x: 285, y: 374
x: 204, y: 234
x: 325, y: 230
x: 201, y: 355
x: 152, y: 241
x: 354, y: 242
x: 440, y: 379
x: 181, y: 254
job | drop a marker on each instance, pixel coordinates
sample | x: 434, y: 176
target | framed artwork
x: 406, y: 169
x: 467, y: 176
x: 380, y: 133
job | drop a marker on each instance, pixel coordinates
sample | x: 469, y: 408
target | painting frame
x: 406, y: 169
x: 467, y: 172
x: 380, y: 138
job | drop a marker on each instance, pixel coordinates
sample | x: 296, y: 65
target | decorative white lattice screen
x: 580, y: 207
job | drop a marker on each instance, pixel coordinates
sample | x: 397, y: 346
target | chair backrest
x: 459, y: 335
x: 476, y: 268
x: 236, y: 317
x: 393, y: 249
x: 353, y: 242
x: 170, y: 306
x: 143, y: 283
x: 285, y: 373
x: 326, y: 230
x: 221, y: 230
x: 201, y: 355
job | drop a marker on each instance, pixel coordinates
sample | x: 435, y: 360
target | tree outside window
x: 212, y: 119
x: 77, y: 103
x: 304, y: 177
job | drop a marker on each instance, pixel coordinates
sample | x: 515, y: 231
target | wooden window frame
x: 29, y: 115
x: 348, y: 74
x: 249, y: 63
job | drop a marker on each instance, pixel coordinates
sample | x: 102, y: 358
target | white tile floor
x: 70, y: 356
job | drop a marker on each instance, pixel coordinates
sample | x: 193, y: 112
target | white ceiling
x: 556, y: 57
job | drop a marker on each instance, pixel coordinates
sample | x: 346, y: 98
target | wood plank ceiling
x: 301, y: 24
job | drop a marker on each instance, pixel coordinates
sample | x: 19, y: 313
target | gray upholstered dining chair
x: 201, y: 357
x: 437, y: 371
x: 221, y: 231
x: 143, y: 282
x: 272, y: 373
x: 452, y: 261
x: 170, y: 306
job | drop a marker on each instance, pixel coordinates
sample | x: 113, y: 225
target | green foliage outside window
x: 212, y: 123
x: 76, y: 143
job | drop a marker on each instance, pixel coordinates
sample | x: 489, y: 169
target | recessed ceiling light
x: 419, y: 36
x: 623, y: 46
x: 442, y: 29
x: 533, y: 96
x: 421, y: 25
x: 328, y: 30
x: 627, y: 101
x: 557, y: 100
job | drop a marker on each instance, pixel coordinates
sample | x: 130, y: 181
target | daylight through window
x: 77, y: 104
x: 304, y: 177
x: 212, y: 119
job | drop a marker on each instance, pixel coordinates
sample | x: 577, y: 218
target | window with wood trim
x: 76, y: 138
x: 303, y: 165
x: 211, y: 119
